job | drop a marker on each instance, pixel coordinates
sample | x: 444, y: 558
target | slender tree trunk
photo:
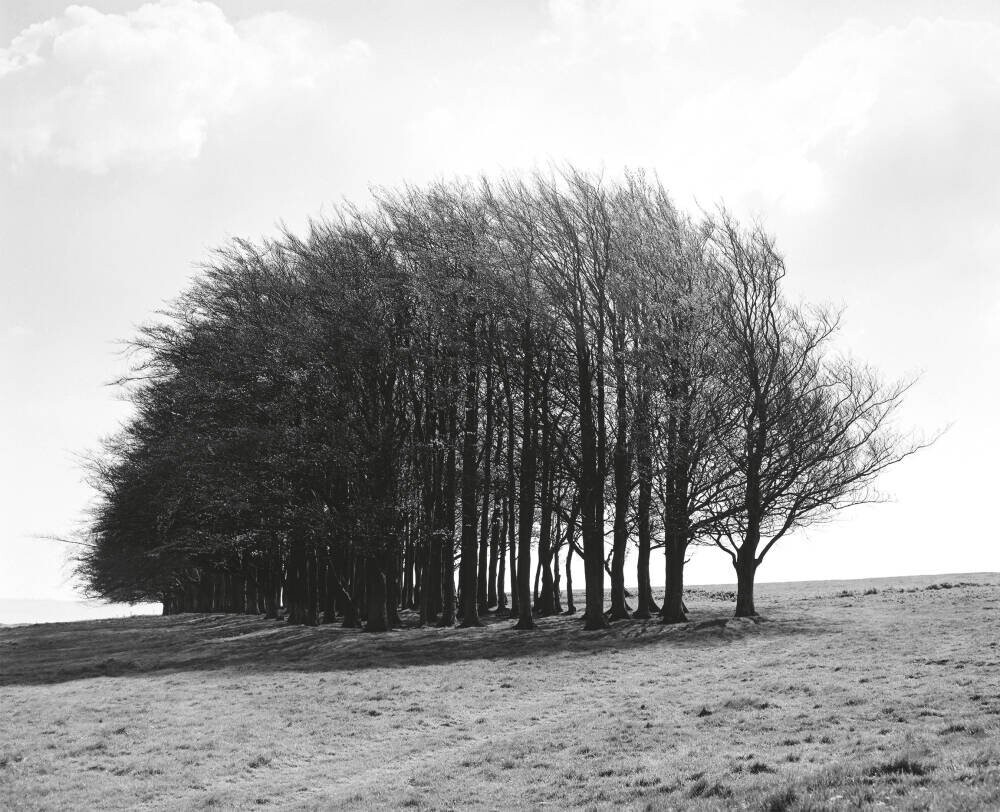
x: 496, y: 551
x: 392, y: 590
x: 644, y: 470
x: 502, y: 558
x: 434, y: 581
x: 448, y: 540
x: 376, y: 595
x: 545, y: 603
x: 349, y: 600
x: 272, y: 585
x: 644, y: 605
x: 556, y: 575
x: 526, y: 507
x: 491, y: 579
x: 472, y: 546
x: 483, y: 587
x: 295, y: 580
x: 330, y: 588
x: 512, y: 509
x: 592, y: 514
x: 570, y: 605
x: 311, y: 613
x: 623, y: 479
x: 409, y: 565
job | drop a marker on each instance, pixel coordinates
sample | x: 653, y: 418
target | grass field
x: 844, y: 695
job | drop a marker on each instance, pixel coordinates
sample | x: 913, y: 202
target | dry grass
x: 844, y: 696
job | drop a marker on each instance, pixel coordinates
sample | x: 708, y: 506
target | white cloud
x: 17, y: 331
x: 588, y: 26
x: 925, y: 87
x: 91, y: 90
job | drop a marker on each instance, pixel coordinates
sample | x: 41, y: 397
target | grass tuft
x: 780, y: 801
x: 903, y: 765
x: 702, y: 788
x: 7, y: 758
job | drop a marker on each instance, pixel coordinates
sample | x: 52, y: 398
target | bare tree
x: 810, y: 433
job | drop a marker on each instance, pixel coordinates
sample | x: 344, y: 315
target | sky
x: 135, y: 138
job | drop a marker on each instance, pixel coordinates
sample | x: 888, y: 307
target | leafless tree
x: 809, y: 432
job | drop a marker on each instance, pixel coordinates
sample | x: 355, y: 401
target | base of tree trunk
x: 472, y: 624
x: 525, y: 624
x: 641, y: 614
x: 673, y: 617
x: 594, y: 624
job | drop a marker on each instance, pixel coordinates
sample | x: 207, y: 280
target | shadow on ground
x: 60, y: 652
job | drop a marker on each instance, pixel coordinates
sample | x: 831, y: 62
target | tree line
x: 492, y: 377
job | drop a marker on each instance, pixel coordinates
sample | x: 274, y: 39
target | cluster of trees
x: 482, y: 377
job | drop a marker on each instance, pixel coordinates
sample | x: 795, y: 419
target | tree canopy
x: 467, y: 373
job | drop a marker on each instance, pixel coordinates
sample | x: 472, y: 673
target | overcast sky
x: 135, y: 138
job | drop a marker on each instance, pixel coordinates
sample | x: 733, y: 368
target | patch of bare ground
x: 832, y: 701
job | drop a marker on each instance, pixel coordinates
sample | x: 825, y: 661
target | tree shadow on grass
x: 52, y: 653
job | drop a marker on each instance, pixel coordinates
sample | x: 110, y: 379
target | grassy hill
x: 843, y: 694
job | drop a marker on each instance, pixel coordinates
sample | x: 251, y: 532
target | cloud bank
x: 891, y: 95
x: 589, y: 24
x: 93, y: 91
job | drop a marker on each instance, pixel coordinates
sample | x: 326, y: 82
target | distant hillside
x: 15, y: 611
x: 826, y: 588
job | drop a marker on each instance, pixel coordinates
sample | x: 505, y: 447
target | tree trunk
x: 496, y: 556
x: 311, y: 610
x: 272, y: 585
x: 674, y: 548
x: 349, y: 603
x: 545, y: 604
x: 746, y: 570
x: 556, y: 577
x: 570, y: 605
x: 502, y: 559
x: 472, y: 545
x: 409, y: 566
x: 590, y: 484
x: 644, y: 600
x: 429, y: 551
x: 392, y: 590
x: 483, y: 586
x: 644, y: 469
x: 623, y: 479
x: 430, y: 599
x: 511, y: 506
x: 295, y: 580
x: 526, y: 506
x: 448, y: 538
x: 329, y: 592
x: 376, y: 594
